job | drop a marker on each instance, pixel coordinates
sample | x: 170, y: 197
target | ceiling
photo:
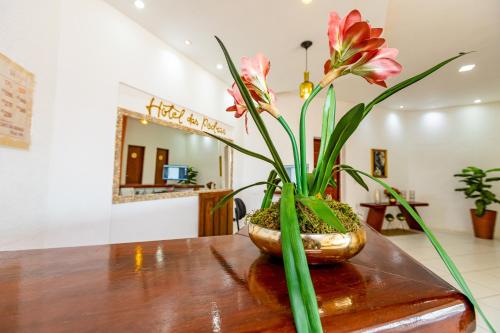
x: 425, y: 32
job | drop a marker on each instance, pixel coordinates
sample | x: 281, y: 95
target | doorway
x: 161, y: 160
x: 135, y: 164
x: 330, y: 190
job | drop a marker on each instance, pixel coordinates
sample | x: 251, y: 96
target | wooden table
x: 218, y: 284
x: 376, y: 214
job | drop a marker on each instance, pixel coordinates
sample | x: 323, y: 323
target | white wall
x: 32, y: 41
x: 84, y: 49
x: 442, y: 143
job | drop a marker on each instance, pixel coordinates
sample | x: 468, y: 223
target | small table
x: 376, y: 214
x: 218, y: 284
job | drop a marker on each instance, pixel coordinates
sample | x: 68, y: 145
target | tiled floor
x: 477, y: 259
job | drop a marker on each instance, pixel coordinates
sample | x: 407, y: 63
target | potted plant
x: 190, y: 177
x: 477, y: 186
x: 303, y: 217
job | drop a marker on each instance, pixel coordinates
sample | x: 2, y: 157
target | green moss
x: 308, y: 222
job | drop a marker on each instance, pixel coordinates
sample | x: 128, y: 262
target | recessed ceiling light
x: 467, y: 68
x: 139, y: 4
x: 401, y: 106
x: 306, y: 2
x: 187, y: 42
x: 219, y: 66
x: 477, y: 101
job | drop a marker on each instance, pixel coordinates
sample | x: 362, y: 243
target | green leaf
x: 354, y: 176
x: 492, y: 179
x: 323, y: 211
x: 253, y: 112
x: 400, y: 86
x: 452, y: 268
x: 290, y: 238
x: 328, y: 123
x: 227, y: 197
x: 272, y: 182
x: 344, y: 129
x: 492, y: 170
x: 461, y: 189
x: 243, y: 150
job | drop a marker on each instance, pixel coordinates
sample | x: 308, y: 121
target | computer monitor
x: 174, y: 172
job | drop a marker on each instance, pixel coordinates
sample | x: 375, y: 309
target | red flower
x: 239, y: 108
x: 350, y: 39
x: 254, y: 75
x: 377, y: 65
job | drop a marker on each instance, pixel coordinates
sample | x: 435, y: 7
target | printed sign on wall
x: 153, y: 107
x: 16, y: 98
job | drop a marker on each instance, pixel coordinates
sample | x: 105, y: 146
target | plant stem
x: 296, y: 160
x: 302, y: 135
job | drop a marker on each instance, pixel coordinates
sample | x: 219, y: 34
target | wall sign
x: 16, y: 99
x: 154, y: 107
x: 170, y: 112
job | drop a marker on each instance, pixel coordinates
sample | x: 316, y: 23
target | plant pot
x: 484, y: 226
x: 319, y: 248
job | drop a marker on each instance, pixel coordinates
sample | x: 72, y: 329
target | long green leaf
x: 292, y: 279
x: 400, y: 86
x: 253, y: 112
x: 452, y: 268
x: 354, y: 176
x: 323, y: 211
x: 243, y: 150
x: 328, y: 123
x: 492, y: 170
x: 343, y: 130
x: 302, y: 137
x: 272, y: 182
x: 227, y: 197
x: 291, y: 235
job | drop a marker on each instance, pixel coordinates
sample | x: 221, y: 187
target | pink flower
x: 239, y: 108
x: 350, y: 39
x: 377, y: 65
x: 254, y: 74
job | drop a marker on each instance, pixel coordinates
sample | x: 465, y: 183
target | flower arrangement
x: 355, y: 48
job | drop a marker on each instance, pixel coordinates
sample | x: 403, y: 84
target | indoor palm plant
x: 355, y: 48
x: 478, y: 184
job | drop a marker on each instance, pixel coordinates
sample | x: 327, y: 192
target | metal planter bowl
x: 320, y: 248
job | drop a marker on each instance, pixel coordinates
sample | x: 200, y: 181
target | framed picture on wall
x: 379, y: 163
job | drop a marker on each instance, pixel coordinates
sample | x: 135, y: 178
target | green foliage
x: 323, y: 211
x: 309, y: 222
x: 297, y: 273
x: 191, y: 176
x: 350, y: 122
x: 477, y: 185
x: 272, y: 182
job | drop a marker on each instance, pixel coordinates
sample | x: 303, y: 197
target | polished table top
x: 387, y: 204
x: 217, y: 284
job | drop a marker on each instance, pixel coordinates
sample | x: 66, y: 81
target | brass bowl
x: 319, y: 248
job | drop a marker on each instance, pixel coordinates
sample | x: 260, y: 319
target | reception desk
x: 218, y: 284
